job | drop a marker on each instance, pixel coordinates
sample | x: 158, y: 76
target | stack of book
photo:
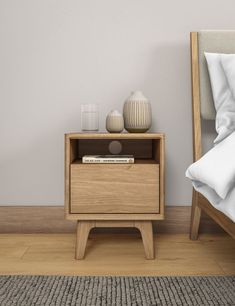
x: 108, y: 159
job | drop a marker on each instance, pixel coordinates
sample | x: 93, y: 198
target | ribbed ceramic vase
x: 137, y: 113
x: 114, y: 122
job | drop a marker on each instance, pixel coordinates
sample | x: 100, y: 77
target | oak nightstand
x: 114, y: 195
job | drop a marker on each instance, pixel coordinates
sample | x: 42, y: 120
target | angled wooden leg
x: 195, y: 216
x: 146, y: 230
x: 83, y: 230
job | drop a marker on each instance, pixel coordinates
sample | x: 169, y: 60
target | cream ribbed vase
x: 137, y: 113
x: 114, y: 122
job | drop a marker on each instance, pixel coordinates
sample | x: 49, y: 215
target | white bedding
x: 221, y: 71
x: 214, y: 176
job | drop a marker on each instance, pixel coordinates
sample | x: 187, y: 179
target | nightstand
x: 114, y: 195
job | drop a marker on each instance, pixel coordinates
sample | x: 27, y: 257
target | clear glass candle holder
x: 89, y: 117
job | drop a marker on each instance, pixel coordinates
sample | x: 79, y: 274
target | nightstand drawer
x: 114, y: 188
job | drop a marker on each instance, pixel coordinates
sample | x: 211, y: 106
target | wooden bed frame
x: 198, y: 201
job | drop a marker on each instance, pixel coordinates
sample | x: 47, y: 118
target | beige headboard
x: 217, y: 42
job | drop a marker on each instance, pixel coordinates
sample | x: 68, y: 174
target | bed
x: 203, y: 109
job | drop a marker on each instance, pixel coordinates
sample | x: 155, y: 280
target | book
x: 108, y: 159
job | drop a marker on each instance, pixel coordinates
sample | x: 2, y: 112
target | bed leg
x: 195, y: 217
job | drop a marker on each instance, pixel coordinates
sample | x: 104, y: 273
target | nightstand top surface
x: 115, y: 135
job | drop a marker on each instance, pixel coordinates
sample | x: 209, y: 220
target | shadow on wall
x: 168, y: 83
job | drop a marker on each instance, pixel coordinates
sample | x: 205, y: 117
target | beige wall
x: 55, y: 55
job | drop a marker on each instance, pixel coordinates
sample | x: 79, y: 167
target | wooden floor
x: 116, y: 255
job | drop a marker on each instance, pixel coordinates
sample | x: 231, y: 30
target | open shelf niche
x: 143, y: 150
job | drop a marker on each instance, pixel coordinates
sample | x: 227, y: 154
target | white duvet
x: 214, y: 176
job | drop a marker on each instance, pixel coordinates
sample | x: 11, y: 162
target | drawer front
x: 97, y: 188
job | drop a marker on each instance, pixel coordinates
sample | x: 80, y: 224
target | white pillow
x: 223, y: 98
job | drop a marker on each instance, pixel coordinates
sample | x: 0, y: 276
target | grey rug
x: 88, y: 290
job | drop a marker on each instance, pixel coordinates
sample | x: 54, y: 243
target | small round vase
x: 137, y: 113
x: 114, y: 122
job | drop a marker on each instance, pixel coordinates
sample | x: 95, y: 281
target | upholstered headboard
x: 217, y: 42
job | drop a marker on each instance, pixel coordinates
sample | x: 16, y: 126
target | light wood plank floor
x: 116, y: 255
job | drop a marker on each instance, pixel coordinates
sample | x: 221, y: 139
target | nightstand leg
x: 83, y: 230
x: 146, y: 230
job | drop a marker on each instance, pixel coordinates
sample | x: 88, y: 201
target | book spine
x: 108, y: 161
